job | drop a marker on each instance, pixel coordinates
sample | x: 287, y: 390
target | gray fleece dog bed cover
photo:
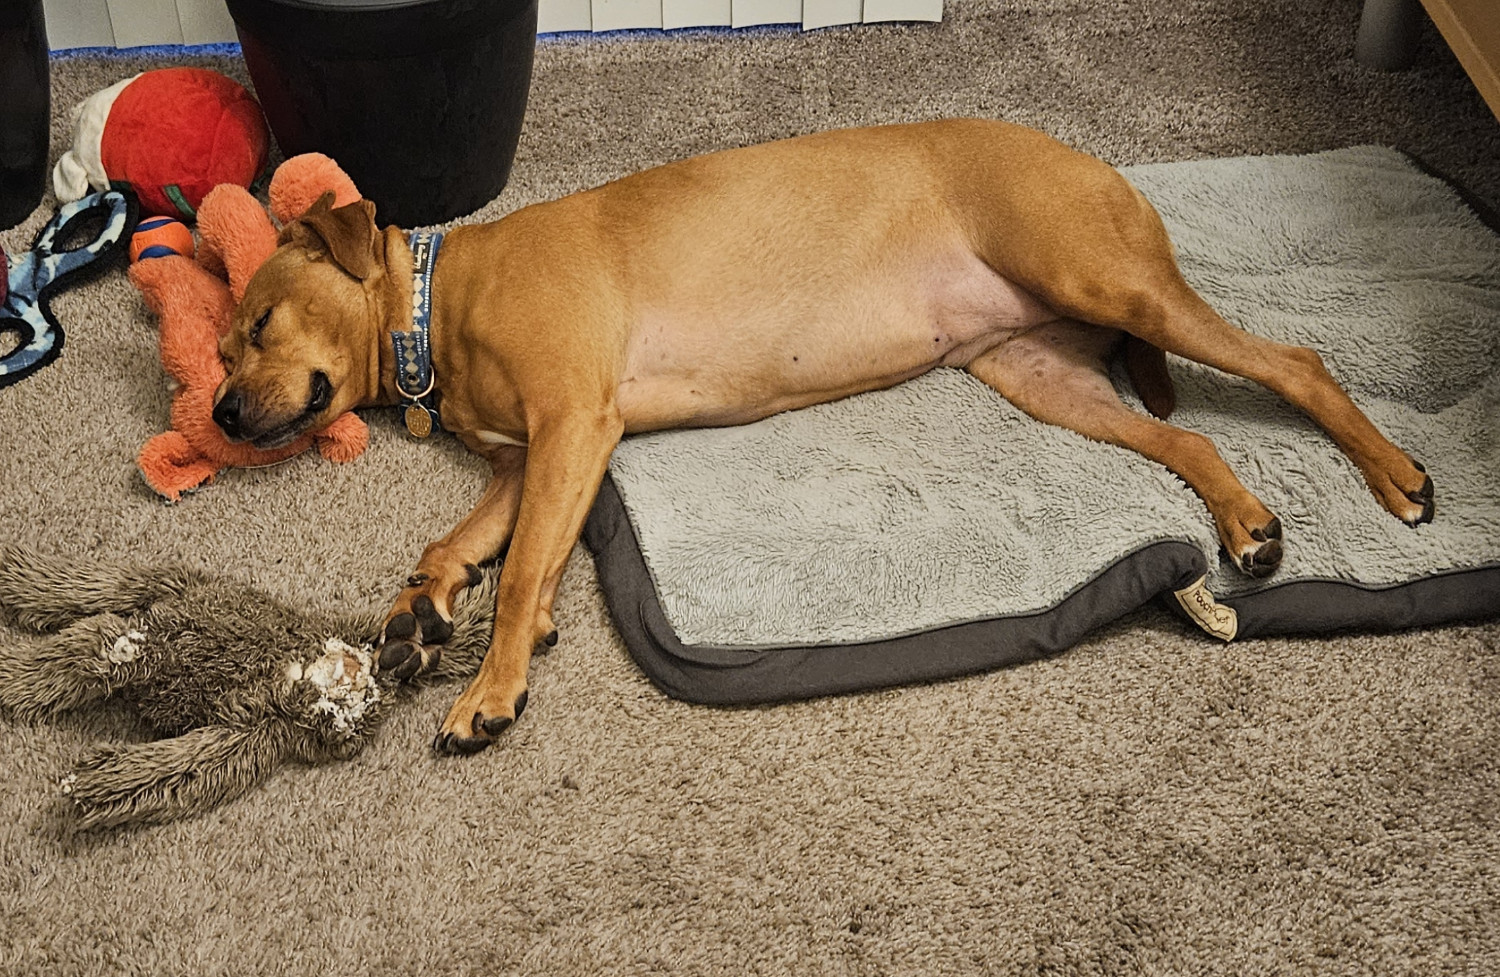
x: 932, y: 529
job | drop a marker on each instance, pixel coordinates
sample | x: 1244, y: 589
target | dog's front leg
x: 422, y: 617
x: 564, y: 466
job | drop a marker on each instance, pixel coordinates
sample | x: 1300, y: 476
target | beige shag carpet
x: 1150, y: 802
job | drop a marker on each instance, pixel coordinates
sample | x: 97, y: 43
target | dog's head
x: 297, y: 354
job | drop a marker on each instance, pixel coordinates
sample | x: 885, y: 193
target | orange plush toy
x: 195, y: 300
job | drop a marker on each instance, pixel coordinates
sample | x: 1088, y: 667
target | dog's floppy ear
x: 346, y: 233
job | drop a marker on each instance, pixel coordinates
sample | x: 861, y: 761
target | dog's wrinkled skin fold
x: 725, y: 288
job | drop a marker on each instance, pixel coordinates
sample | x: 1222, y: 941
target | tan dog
x: 724, y: 288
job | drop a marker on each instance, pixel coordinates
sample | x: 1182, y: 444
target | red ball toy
x: 157, y: 237
x: 172, y: 134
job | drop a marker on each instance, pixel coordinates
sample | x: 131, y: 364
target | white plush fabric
x: 936, y: 502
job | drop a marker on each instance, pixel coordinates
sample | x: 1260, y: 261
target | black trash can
x: 420, y: 101
x: 25, y: 109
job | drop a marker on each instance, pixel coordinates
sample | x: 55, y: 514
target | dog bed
x: 932, y: 530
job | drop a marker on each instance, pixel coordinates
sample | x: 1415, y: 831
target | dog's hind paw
x: 1263, y: 560
x: 1422, y: 498
x: 1261, y: 553
x: 1403, y: 486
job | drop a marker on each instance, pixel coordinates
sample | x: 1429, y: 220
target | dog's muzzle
x: 230, y: 415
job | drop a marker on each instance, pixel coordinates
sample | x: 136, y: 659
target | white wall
x: 131, y: 23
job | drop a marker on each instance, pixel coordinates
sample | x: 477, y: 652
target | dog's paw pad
x: 1272, y: 530
x: 435, y: 629
x: 402, y: 627
x: 1263, y: 560
x: 403, y: 659
x: 394, y: 654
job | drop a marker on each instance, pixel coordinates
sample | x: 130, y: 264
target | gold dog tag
x: 418, y: 421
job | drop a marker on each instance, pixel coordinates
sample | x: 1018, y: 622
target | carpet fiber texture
x: 1147, y: 803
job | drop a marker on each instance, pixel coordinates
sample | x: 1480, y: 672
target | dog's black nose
x: 227, y: 415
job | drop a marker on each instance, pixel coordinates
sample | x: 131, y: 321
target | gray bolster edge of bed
x: 738, y: 676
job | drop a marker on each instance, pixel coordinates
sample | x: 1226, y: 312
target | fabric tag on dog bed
x: 932, y: 529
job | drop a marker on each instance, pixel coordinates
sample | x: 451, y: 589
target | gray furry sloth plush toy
x: 234, y: 681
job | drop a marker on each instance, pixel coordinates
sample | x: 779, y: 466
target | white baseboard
x: 132, y: 23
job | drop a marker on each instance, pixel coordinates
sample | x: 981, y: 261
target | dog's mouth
x: 320, y: 395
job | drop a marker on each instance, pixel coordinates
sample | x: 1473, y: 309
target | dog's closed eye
x: 259, y: 327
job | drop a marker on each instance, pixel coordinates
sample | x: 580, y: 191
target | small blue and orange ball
x: 157, y: 237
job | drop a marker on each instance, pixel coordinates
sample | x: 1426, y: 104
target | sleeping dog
x: 721, y: 289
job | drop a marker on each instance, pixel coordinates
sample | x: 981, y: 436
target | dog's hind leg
x: 1121, y: 273
x: 1176, y: 319
x: 56, y: 673
x: 1059, y: 374
x: 43, y: 593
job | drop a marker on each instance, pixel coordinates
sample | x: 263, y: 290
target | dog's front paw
x: 483, y: 712
x: 413, y: 637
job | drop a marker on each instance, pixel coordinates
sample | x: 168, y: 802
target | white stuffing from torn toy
x: 344, y: 676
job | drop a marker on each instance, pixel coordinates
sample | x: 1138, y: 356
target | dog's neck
x: 415, y: 377
x: 394, y: 315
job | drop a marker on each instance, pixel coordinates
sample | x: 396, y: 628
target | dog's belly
x: 719, y: 357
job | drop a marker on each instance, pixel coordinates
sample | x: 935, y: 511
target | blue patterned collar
x: 414, y: 376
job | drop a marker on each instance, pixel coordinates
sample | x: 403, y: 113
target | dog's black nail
x: 496, y: 725
x: 417, y: 579
x: 435, y: 630
x: 520, y: 706
x: 394, y: 653
x: 401, y: 627
x: 1423, y: 494
x: 475, y: 574
x: 440, y: 742
x: 551, y: 639
x: 1418, y: 465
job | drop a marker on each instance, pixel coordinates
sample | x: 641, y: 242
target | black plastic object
x: 25, y: 109
x: 420, y: 101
